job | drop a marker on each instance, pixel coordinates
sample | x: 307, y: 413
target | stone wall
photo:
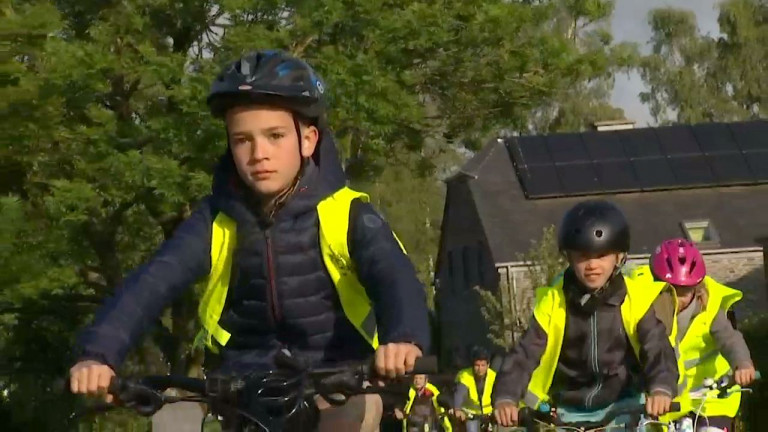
x: 740, y: 270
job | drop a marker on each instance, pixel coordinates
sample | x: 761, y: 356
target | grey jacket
x: 597, y: 365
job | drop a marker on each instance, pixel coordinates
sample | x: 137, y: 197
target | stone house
x: 707, y: 182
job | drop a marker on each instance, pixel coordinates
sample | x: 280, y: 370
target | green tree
x: 107, y: 144
x: 699, y: 78
x: 584, y: 97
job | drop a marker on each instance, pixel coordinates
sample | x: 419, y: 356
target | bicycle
x: 280, y: 399
x: 486, y: 420
x: 545, y: 419
x: 433, y: 422
x: 711, y: 388
x: 422, y: 424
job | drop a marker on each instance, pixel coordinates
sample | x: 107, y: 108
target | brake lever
x: 145, y: 401
x: 337, y: 388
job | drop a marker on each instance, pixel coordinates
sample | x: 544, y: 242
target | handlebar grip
x: 675, y: 407
x: 115, y: 385
x: 425, y: 365
x: 527, y: 417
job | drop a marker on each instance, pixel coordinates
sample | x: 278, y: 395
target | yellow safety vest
x: 467, y: 377
x: 333, y: 213
x: 549, y: 312
x: 697, y: 353
x: 643, y: 274
x: 435, y: 392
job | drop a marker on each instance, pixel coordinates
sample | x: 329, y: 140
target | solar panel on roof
x: 633, y: 160
x: 616, y: 175
x: 758, y: 164
x: 640, y: 143
x: 567, y: 148
x: 653, y: 173
x: 677, y: 140
x: 714, y: 138
x: 603, y: 146
x: 532, y: 150
x: 579, y: 178
x: 540, y: 181
x: 751, y: 136
x: 729, y: 168
x: 691, y: 170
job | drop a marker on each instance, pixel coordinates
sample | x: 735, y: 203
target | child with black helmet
x: 594, y: 338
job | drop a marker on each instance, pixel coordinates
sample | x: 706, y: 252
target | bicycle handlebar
x: 283, y: 390
x: 722, y: 386
x: 527, y: 417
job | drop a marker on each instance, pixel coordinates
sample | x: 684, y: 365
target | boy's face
x: 265, y: 147
x: 419, y: 381
x: 593, y: 269
x: 480, y: 367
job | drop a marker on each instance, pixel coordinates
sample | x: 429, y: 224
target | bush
x: 507, y: 319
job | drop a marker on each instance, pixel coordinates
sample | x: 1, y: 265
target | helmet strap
x: 620, y: 264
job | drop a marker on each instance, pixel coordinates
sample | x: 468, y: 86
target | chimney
x: 612, y: 125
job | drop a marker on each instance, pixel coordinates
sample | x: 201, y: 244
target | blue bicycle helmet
x: 270, y: 77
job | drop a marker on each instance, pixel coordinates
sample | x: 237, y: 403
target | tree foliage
x: 584, y: 98
x: 702, y: 78
x: 106, y: 143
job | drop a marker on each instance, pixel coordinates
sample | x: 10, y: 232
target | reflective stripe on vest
x: 549, y: 312
x: 467, y: 377
x: 700, y: 356
x: 333, y: 213
x: 223, y: 240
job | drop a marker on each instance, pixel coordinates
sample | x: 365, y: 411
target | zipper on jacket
x: 272, y: 293
x: 594, y: 363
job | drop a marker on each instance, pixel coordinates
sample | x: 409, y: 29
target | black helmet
x: 480, y: 353
x: 271, y: 77
x: 594, y: 226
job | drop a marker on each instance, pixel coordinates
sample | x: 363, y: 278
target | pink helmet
x: 678, y: 262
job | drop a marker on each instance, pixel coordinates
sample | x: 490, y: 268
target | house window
x: 702, y: 232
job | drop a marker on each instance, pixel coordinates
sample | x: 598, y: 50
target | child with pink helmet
x: 707, y: 343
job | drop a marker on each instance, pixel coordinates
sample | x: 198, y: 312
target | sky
x: 630, y: 23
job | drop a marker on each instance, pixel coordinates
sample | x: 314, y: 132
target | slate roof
x: 512, y: 221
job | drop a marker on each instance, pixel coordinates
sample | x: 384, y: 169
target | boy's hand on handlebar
x: 744, y: 375
x: 396, y: 359
x: 506, y: 414
x: 91, y: 378
x: 657, y: 404
x: 460, y: 415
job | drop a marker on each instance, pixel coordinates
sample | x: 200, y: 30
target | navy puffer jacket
x: 280, y: 294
